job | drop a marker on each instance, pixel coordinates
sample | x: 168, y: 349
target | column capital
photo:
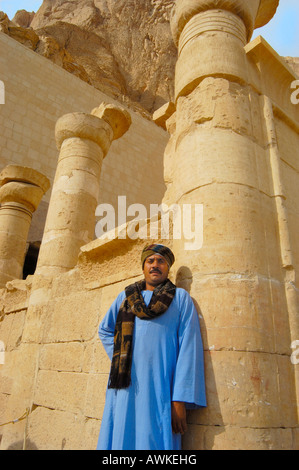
x: 83, y: 126
x: 22, y: 186
x: 105, y: 124
x: 25, y: 175
x: 254, y: 13
x: 116, y: 116
x: 266, y: 12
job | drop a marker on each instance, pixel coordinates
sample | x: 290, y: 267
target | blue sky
x: 12, y: 6
x: 282, y: 32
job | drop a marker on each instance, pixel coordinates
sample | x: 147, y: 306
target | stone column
x: 83, y: 141
x: 237, y: 281
x: 21, y: 190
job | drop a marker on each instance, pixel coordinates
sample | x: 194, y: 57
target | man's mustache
x: 155, y: 270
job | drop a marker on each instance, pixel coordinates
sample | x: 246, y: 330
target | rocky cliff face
x: 293, y: 62
x: 122, y: 47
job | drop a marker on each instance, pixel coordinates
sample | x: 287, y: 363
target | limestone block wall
x: 37, y: 94
x: 55, y: 365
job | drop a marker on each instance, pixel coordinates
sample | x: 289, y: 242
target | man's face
x: 155, y: 270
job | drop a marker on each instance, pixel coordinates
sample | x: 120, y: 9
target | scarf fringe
x: 119, y: 382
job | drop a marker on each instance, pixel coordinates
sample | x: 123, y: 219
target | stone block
x: 16, y: 295
x: 161, y: 116
x: 7, y: 372
x: 237, y: 438
x: 74, y: 318
x: 38, y: 321
x: 55, y: 430
x: 11, y: 329
x: 241, y: 313
x: 68, y: 393
x: 65, y: 357
x: 4, y: 398
x: 95, y: 395
x: 95, y: 359
x: 243, y: 390
x: 67, y: 284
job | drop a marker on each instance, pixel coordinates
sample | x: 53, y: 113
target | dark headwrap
x: 160, y: 250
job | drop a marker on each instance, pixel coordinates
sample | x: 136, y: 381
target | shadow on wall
x: 19, y: 445
x: 31, y: 259
x: 201, y: 418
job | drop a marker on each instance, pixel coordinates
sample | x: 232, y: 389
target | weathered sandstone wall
x: 233, y: 147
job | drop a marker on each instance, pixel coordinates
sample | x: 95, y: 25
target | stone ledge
x: 110, y: 260
x: 272, y: 65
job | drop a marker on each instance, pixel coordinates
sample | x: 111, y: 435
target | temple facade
x: 230, y: 143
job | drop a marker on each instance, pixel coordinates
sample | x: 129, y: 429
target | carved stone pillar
x: 20, y: 194
x: 217, y: 155
x: 83, y: 141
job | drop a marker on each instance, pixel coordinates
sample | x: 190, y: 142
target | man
x: 151, y: 334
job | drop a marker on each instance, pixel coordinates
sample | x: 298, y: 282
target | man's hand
x: 178, y: 417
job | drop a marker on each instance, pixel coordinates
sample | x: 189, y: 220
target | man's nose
x: 156, y: 263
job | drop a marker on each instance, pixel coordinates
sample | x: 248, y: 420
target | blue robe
x: 167, y: 365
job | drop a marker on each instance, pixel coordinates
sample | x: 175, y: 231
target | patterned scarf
x: 132, y: 306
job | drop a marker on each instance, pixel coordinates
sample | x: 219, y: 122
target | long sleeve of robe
x: 167, y: 365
